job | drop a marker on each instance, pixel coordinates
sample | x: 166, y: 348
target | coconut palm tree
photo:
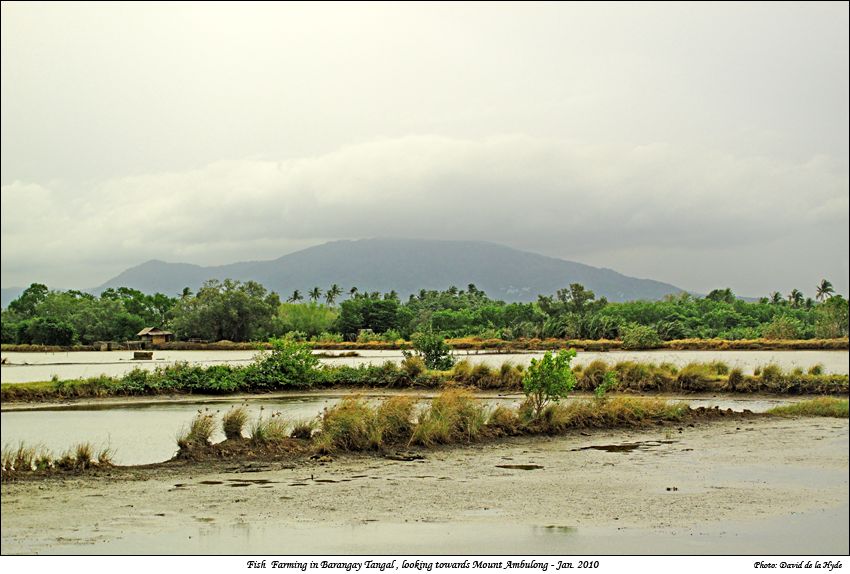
x: 795, y: 297
x: 315, y: 293
x: 332, y: 293
x: 353, y: 291
x: 295, y: 297
x: 825, y: 290
x: 776, y: 298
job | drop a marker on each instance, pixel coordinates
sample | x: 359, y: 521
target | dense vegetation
x: 235, y: 311
x: 290, y: 365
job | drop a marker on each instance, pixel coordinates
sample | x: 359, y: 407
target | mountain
x: 405, y: 265
x: 9, y: 294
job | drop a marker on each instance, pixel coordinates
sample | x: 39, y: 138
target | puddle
x: 519, y: 466
x: 625, y: 447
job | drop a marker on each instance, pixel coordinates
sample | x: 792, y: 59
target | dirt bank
x: 713, y: 479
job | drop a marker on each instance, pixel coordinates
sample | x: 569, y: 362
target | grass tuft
x: 199, y: 433
x: 270, y: 430
x: 233, y: 421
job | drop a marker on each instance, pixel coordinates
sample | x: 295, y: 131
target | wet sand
x: 731, y: 486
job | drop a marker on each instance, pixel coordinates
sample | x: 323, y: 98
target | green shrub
x: 816, y: 369
x: 289, y: 363
x: 548, y: 379
x: 782, y: 327
x: 635, y: 336
x: 433, y: 350
x: 413, y: 366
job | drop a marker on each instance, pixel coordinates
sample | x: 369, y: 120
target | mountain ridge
x: 403, y: 265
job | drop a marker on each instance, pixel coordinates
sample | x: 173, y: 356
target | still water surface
x: 145, y: 433
x: 28, y: 367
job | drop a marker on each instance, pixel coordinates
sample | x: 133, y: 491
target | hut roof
x: 153, y: 331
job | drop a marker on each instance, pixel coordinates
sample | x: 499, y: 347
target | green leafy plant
x: 433, y: 349
x: 548, y: 379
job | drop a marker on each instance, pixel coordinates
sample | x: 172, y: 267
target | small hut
x: 154, y: 335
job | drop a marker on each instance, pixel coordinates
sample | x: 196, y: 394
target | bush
x: 782, y: 327
x: 433, y: 350
x: 636, y: 336
x: 289, y: 363
x: 413, y: 366
x: 548, y: 379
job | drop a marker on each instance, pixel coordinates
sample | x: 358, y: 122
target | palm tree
x: 296, y: 296
x: 352, y: 292
x: 825, y: 290
x: 776, y: 298
x: 314, y: 294
x: 332, y: 293
x: 795, y: 297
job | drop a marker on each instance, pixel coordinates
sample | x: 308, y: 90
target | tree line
x: 247, y: 311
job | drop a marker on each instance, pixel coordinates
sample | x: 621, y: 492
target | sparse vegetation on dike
x: 24, y: 458
x: 819, y: 407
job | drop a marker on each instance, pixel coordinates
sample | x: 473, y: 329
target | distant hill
x: 9, y: 294
x: 405, y: 265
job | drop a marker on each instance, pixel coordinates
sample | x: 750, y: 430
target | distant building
x: 154, y: 335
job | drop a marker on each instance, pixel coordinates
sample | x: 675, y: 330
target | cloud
x: 560, y: 197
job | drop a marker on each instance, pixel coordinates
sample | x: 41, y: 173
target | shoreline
x: 725, y: 472
x: 486, y: 346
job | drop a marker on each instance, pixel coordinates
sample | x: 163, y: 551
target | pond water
x: 144, y: 433
x: 28, y: 367
x: 809, y: 533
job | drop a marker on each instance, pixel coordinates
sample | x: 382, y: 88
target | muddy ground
x: 729, y: 486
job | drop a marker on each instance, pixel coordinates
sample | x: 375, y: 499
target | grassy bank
x: 263, y: 376
x: 454, y: 417
x: 492, y: 345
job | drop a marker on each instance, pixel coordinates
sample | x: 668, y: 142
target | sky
x: 704, y: 145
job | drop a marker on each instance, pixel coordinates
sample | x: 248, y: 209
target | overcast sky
x: 703, y: 145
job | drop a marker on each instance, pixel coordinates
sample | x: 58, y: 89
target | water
x: 145, y: 433
x: 28, y: 367
x: 823, y: 532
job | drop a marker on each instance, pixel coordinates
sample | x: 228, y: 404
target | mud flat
x: 759, y: 486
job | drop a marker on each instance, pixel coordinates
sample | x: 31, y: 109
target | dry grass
x: 271, y: 430
x: 199, y: 433
x: 233, y: 421
x: 304, y: 429
x: 393, y: 421
x: 504, y: 421
x: 347, y: 425
x: 453, y: 416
